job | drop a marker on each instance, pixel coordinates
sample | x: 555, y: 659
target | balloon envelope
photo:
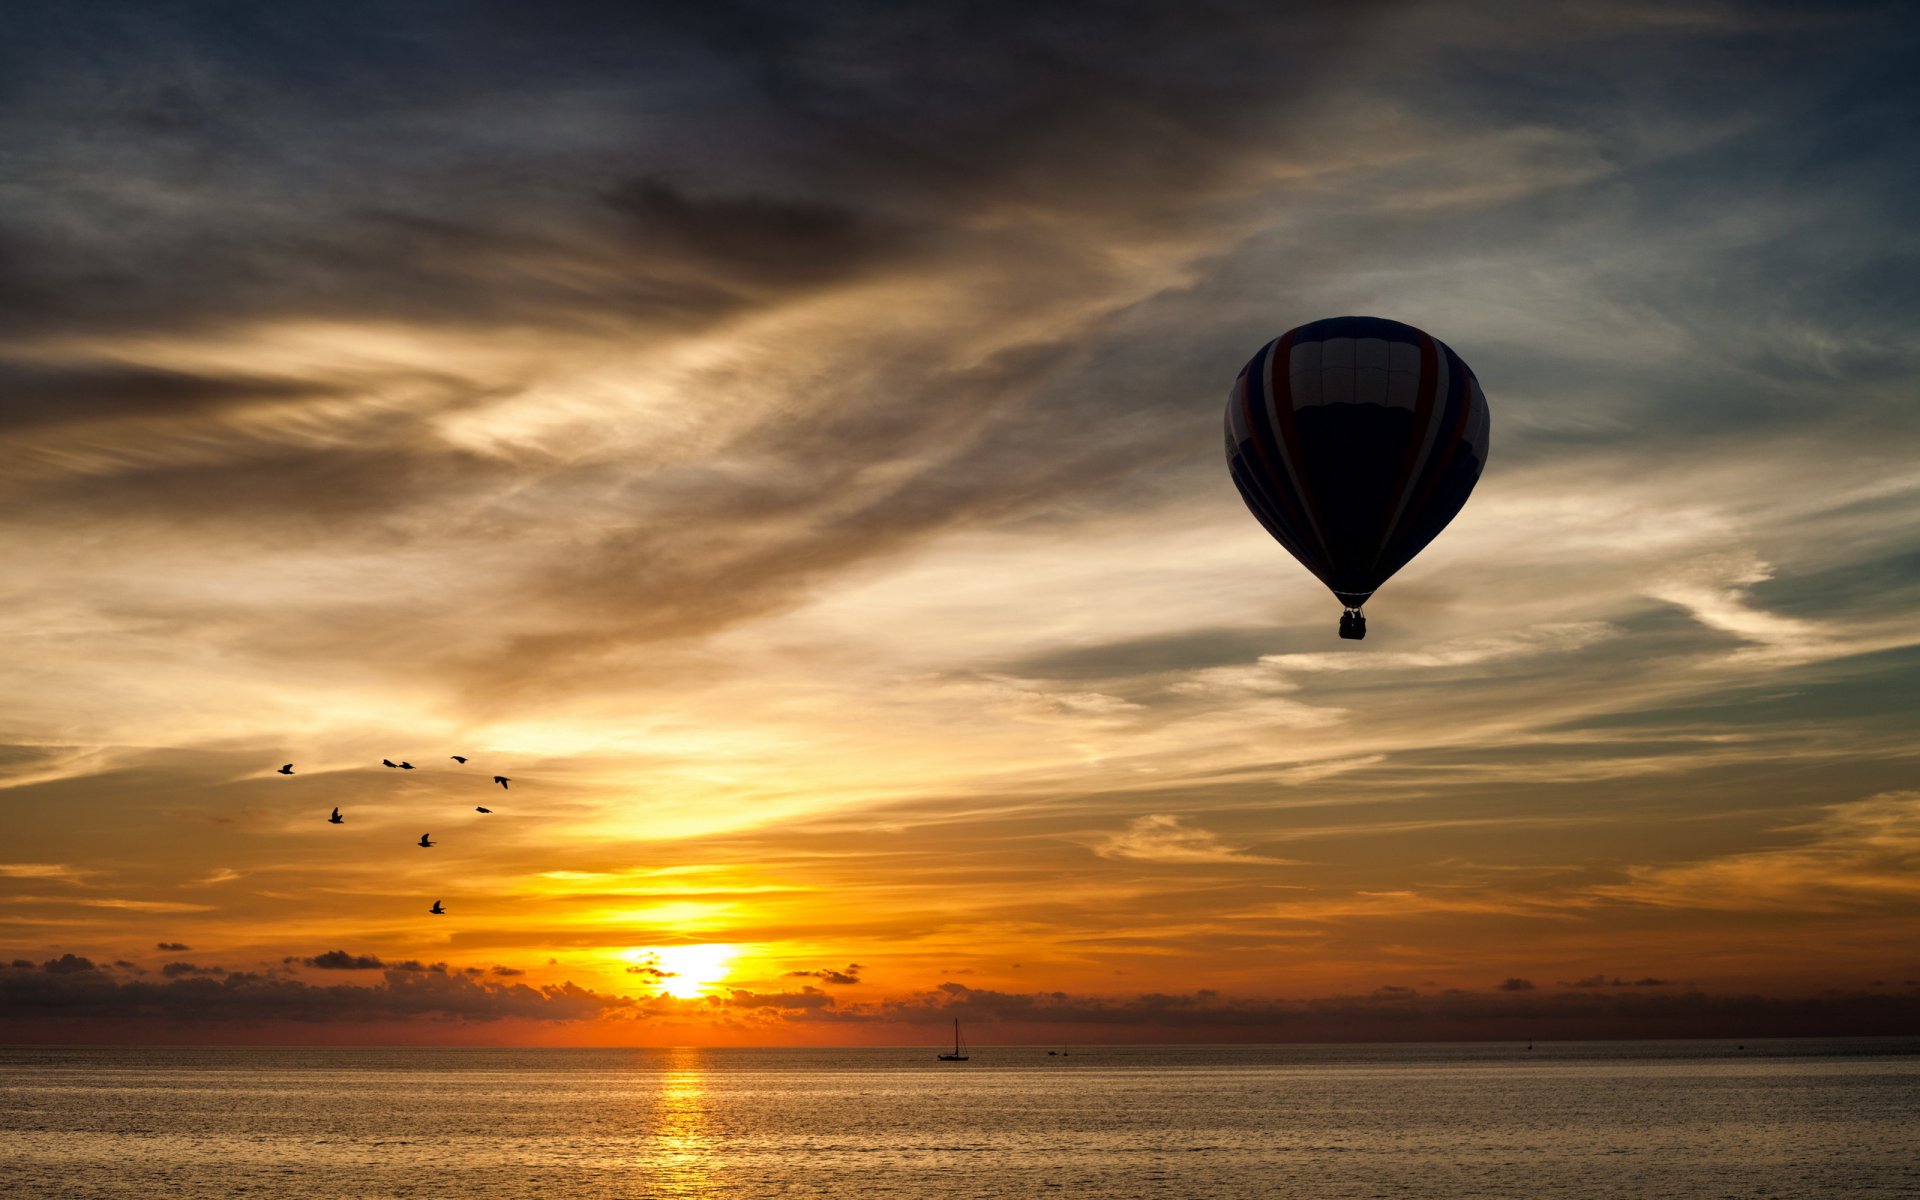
x: 1354, y: 440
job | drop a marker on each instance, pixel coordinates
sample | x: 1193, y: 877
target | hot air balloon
x: 1354, y: 440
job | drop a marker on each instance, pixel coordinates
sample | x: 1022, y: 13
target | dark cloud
x: 37, y: 998
x: 68, y: 964
x: 316, y: 490
x: 807, y: 998
x: 508, y: 971
x: 175, y: 947
x: 1516, y: 984
x: 1208, y: 1015
x: 1601, y: 981
x: 949, y: 106
x: 340, y: 960
x: 829, y: 975
x: 33, y: 395
x: 1188, y: 650
x: 243, y: 998
x: 751, y: 241
x: 176, y: 970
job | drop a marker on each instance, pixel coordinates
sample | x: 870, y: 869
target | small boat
x: 959, y: 1047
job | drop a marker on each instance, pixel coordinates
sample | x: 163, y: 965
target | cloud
x: 67, y: 964
x: 1516, y: 984
x: 59, y: 872
x: 750, y: 240
x: 173, y: 946
x: 1167, y: 838
x: 343, y: 351
x: 1549, y: 639
x: 1717, y: 592
x: 1852, y: 856
x: 1396, y: 1014
x: 807, y: 998
x: 828, y: 975
x: 242, y: 999
x: 340, y: 960
x: 54, y: 998
x: 1601, y: 981
x: 38, y: 394
x: 175, y: 970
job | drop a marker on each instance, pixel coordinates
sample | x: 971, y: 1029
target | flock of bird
x: 426, y: 841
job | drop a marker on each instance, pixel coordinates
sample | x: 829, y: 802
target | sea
x: 1783, y: 1118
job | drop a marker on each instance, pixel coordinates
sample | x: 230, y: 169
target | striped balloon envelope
x: 1354, y: 440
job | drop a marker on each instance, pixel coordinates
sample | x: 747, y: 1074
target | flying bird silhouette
x: 424, y: 842
x: 436, y: 910
x: 406, y: 766
x: 483, y: 810
x: 502, y: 781
x: 456, y: 758
x: 287, y: 770
x: 336, y: 818
x: 387, y: 762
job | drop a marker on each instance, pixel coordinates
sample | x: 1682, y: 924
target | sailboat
x: 959, y: 1047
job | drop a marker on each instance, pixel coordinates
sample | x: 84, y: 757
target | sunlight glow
x: 686, y: 972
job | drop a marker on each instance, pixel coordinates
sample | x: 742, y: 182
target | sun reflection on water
x: 683, y: 1151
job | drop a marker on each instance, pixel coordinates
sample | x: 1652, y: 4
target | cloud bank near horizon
x: 53, y: 999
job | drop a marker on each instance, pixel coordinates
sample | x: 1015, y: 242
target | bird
x: 502, y: 781
x: 336, y: 818
x: 387, y: 762
x: 287, y: 770
x: 456, y: 758
x: 406, y: 766
x: 486, y: 810
x: 436, y: 910
x: 425, y: 841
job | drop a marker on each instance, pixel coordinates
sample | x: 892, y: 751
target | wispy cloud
x: 60, y: 872
x: 1167, y: 838
x: 1857, y: 854
x: 1716, y: 592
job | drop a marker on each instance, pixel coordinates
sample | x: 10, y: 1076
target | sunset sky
x: 784, y: 439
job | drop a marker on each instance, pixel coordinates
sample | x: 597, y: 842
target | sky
x: 784, y: 440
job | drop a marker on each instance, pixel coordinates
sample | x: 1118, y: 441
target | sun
x: 683, y: 972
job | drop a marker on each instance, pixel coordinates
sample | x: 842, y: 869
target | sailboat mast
x: 958, y: 1055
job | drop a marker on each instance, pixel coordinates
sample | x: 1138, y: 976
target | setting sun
x: 683, y: 972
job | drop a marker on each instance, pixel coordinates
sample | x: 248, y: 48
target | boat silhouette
x: 959, y: 1046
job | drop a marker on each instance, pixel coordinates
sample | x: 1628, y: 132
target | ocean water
x: 1657, y: 1119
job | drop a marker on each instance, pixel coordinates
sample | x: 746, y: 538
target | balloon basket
x: 1353, y: 626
